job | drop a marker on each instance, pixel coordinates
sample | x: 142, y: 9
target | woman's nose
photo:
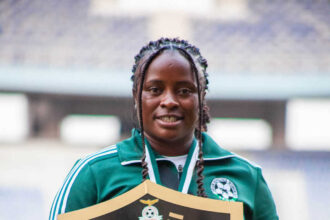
x: 169, y: 101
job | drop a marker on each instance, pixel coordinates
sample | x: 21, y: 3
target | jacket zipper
x: 180, y: 170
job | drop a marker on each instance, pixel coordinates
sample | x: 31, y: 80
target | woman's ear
x: 203, y: 94
x: 134, y: 95
x: 134, y: 99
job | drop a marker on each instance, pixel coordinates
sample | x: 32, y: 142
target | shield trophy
x: 150, y: 201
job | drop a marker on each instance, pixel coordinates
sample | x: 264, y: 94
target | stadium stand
x: 278, y: 37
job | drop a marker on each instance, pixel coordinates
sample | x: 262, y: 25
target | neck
x: 170, y: 148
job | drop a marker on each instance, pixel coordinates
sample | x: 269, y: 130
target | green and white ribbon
x: 188, y: 168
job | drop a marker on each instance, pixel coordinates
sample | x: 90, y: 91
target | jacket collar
x: 130, y: 150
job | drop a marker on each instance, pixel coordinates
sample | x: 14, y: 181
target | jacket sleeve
x: 78, y: 191
x: 264, y: 205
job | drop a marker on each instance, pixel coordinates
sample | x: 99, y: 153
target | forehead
x: 170, y: 65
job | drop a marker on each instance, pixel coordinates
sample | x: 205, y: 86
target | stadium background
x: 65, y: 89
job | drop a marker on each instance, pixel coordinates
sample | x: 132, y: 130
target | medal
x: 188, y: 168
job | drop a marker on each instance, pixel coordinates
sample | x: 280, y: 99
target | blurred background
x: 65, y: 89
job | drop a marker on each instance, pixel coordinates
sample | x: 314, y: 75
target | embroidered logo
x: 150, y: 212
x: 224, y: 189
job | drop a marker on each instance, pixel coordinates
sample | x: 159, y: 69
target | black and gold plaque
x: 149, y: 201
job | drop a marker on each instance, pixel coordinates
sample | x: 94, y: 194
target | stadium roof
x: 116, y: 83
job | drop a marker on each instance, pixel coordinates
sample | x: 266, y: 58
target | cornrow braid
x: 198, y: 132
x: 142, y: 61
x: 154, y: 46
x: 143, y: 158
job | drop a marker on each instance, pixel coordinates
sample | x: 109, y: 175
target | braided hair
x: 198, y: 64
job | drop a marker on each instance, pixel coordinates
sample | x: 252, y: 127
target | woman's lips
x: 169, y: 120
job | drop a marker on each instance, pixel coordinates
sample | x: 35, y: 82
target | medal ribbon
x: 188, y: 168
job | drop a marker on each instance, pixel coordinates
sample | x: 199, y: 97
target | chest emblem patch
x: 224, y: 189
x: 150, y: 212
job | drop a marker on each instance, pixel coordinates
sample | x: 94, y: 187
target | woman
x: 170, y: 146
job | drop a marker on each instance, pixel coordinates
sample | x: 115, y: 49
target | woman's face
x: 170, y: 99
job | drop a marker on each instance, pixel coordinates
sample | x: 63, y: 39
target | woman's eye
x: 184, y: 91
x: 154, y: 90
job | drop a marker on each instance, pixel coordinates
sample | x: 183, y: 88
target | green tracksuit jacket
x: 117, y: 169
